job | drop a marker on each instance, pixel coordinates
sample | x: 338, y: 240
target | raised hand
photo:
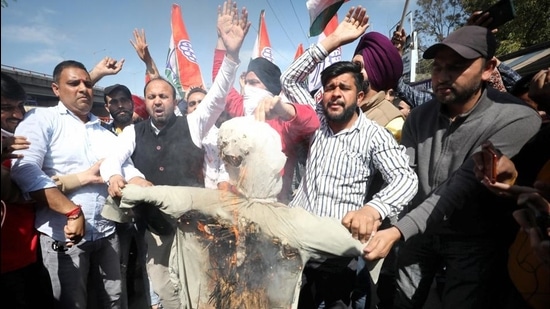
x: 106, y: 66
x: 399, y: 39
x: 232, y: 28
x: 140, y: 44
x: 478, y: 18
x: 142, y: 50
x: 353, y: 26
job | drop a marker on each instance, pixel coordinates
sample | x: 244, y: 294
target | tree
x: 435, y: 19
x: 530, y: 27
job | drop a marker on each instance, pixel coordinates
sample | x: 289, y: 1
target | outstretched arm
x: 142, y: 50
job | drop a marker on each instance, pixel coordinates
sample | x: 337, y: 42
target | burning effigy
x: 241, y: 248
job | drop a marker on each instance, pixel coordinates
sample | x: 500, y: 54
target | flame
x: 204, y: 229
x: 235, y: 231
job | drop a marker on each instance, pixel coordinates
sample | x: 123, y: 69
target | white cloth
x: 214, y: 168
x: 257, y: 147
x: 252, y: 97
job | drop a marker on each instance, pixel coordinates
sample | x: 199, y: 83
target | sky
x: 36, y: 35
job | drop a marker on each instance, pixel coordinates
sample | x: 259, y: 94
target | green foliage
x: 435, y: 19
x: 530, y: 27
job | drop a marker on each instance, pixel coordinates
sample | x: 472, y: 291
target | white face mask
x: 252, y: 97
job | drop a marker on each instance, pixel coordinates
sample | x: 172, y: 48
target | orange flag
x: 262, y: 46
x: 182, y: 68
x: 299, y: 51
x: 334, y: 56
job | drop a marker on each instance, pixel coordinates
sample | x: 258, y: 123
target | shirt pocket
x: 348, y: 165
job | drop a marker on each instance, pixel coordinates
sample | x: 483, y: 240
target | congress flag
x: 320, y: 13
x: 262, y: 46
x: 182, y: 68
x: 334, y: 56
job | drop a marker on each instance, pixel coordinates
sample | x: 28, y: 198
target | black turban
x: 268, y: 73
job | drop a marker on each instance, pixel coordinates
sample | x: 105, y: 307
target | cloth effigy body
x: 241, y: 249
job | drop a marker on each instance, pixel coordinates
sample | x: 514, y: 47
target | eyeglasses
x: 193, y: 103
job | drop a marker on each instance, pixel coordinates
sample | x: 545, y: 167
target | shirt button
x: 161, y: 168
x: 158, y: 147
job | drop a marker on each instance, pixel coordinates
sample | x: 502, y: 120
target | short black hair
x: 12, y: 89
x: 194, y: 90
x: 66, y: 64
x: 342, y: 67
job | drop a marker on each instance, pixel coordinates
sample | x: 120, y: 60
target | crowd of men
x: 396, y: 189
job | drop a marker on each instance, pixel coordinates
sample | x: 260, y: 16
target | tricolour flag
x: 334, y: 56
x: 320, y: 13
x: 262, y: 46
x: 299, y: 51
x: 182, y: 68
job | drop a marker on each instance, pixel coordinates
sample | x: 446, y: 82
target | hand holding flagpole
x: 399, y: 37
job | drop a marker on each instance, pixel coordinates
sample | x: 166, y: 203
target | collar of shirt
x: 92, y: 119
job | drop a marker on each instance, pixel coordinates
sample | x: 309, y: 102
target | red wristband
x: 75, y: 213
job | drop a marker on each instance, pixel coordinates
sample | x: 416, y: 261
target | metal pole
x: 403, y: 15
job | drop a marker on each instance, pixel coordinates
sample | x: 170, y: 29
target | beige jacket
x: 233, y: 252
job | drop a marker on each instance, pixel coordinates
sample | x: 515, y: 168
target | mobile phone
x: 501, y: 13
x: 494, y: 162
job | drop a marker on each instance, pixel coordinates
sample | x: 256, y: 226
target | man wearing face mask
x: 294, y: 122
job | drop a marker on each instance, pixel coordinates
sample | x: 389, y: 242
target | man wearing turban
x: 382, y: 67
x: 262, y: 84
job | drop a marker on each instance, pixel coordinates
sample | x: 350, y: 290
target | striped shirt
x: 340, y: 167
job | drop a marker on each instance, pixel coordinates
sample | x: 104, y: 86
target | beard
x: 342, y: 117
x: 119, y: 117
x: 458, y: 97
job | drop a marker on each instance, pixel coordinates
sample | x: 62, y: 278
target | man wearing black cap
x: 454, y: 221
x: 118, y: 101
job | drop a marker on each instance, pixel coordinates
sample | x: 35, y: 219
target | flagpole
x: 403, y: 15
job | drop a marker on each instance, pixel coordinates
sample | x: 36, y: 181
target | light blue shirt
x: 62, y: 144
